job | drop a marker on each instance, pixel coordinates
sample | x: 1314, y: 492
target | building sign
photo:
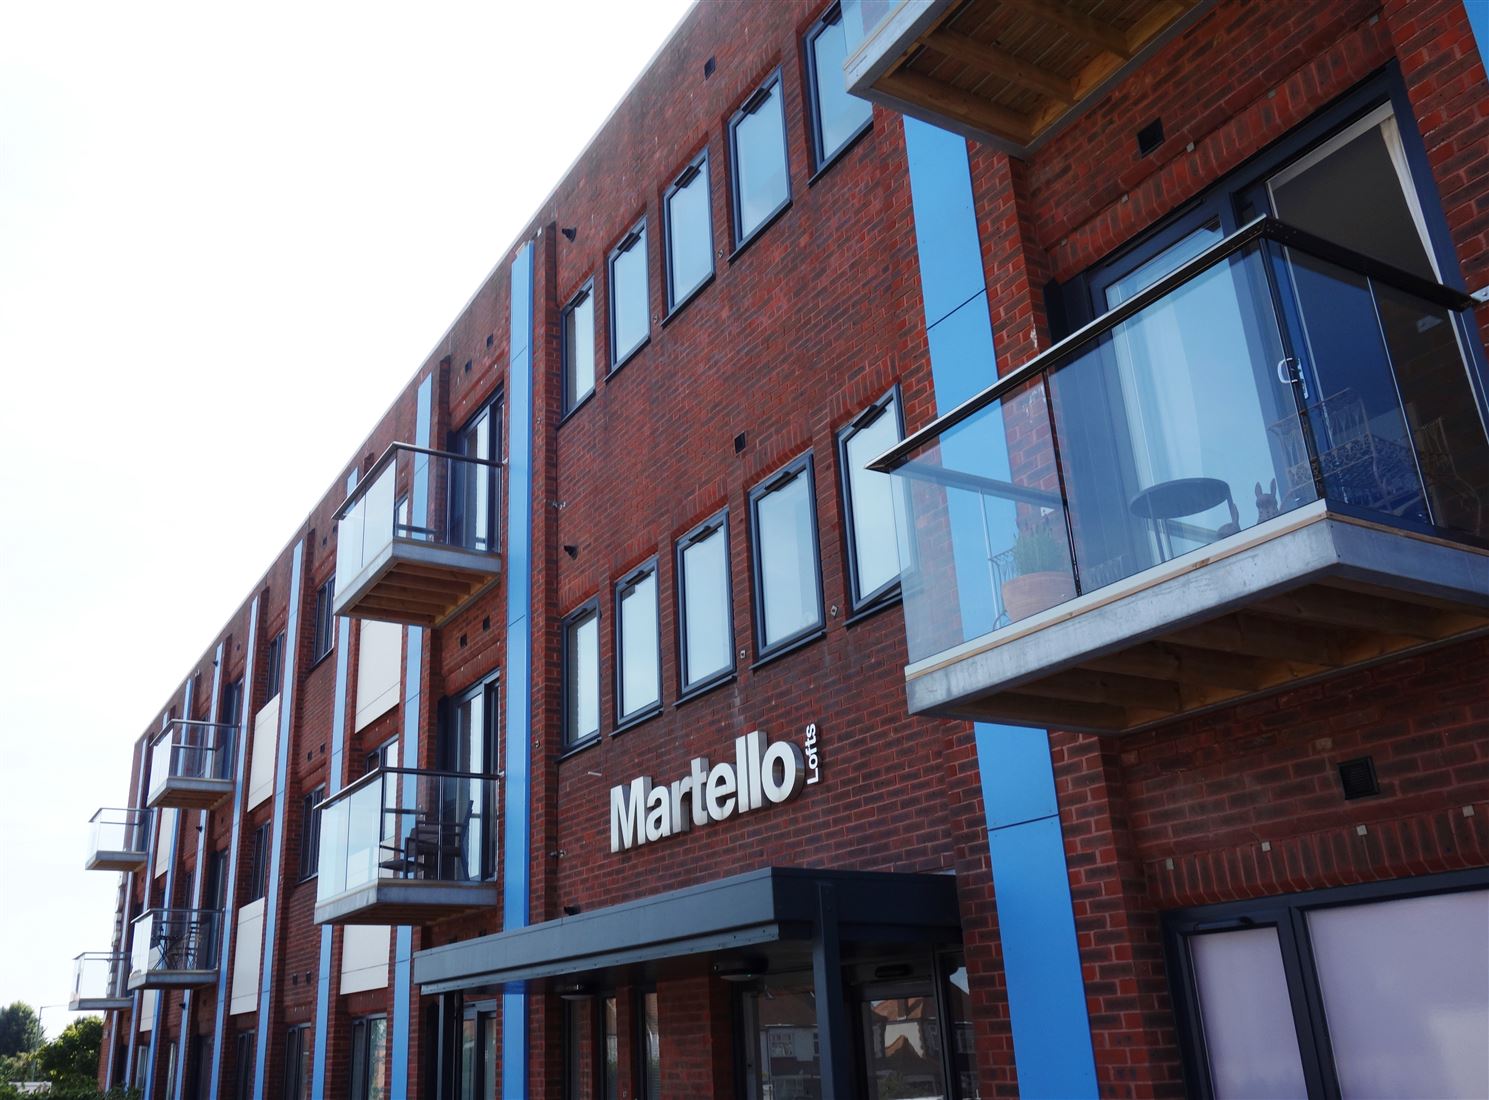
x: 761, y: 774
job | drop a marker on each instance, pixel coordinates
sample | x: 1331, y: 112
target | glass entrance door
x: 903, y: 1056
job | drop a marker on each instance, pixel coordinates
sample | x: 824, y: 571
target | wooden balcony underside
x: 417, y: 584
x: 112, y: 860
x: 191, y: 794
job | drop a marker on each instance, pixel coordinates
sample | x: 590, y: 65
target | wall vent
x: 1358, y: 778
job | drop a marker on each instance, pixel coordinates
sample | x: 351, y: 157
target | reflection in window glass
x: 640, y: 675
x: 782, y: 1059
x: 689, y: 233
x: 582, y: 672
x: 579, y: 349
x: 839, y: 116
x: 784, y: 543
x: 703, y: 565
x: 630, y: 300
x: 611, y: 1078
x: 963, y: 1061
x: 902, y: 1045
x: 870, y: 504
x: 758, y: 139
x: 651, y: 1039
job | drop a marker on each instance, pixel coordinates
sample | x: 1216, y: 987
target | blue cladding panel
x: 945, y: 221
x: 1046, y: 996
x: 1019, y: 784
x: 1478, y: 19
x: 963, y: 362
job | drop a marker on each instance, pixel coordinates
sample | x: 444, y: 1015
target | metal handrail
x: 198, y: 723
x: 365, y: 480
x: 1263, y: 228
x: 378, y: 773
x: 117, y: 810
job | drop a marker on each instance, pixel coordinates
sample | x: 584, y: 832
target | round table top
x: 1184, y: 496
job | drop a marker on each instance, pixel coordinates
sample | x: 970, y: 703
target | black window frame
x: 245, y: 1050
x: 628, y: 583
x: 359, y: 1068
x: 590, y: 608
x: 461, y: 442
x: 698, y: 166
x: 800, y: 466
x: 822, y: 158
x: 1288, y: 914
x: 571, y: 400
x: 325, y: 620
x: 636, y: 235
x: 858, y: 600
x: 644, y: 1082
x: 716, y: 524
x: 274, y: 664
x: 752, y: 103
x: 297, y: 1043
x: 310, y: 833
x: 258, y: 864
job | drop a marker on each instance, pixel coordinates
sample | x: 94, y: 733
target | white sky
x: 228, y: 236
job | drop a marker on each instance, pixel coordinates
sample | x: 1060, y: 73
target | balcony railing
x: 418, y: 538
x: 118, y: 839
x: 402, y: 846
x: 191, y: 765
x: 99, y: 982
x: 175, y: 948
x: 1267, y: 466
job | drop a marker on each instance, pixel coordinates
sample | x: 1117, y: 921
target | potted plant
x: 1042, y: 572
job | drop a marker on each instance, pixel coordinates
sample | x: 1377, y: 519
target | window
x: 610, y: 1068
x: 325, y: 621
x: 579, y: 347
x: 689, y: 228
x: 298, y: 1052
x: 310, y: 833
x: 638, y: 655
x: 705, y: 613
x: 630, y: 296
x: 369, y: 1068
x: 757, y: 148
x: 473, y: 485
x: 837, y: 116
x: 230, y: 714
x: 258, y: 864
x: 274, y: 664
x: 783, y: 530
x: 466, y: 809
x: 874, y: 552
x: 243, y: 1062
x: 649, y: 1038
x: 582, y: 675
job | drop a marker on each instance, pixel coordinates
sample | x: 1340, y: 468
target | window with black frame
x: 230, y: 717
x: 578, y: 1046
x: 298, y: 1052
x: 874, y: 551
x: 649, y: 1045
x: 837, y: 116
x: 579, y: 347
x: 688, y: 225
x: 244, y: 1052
x: 705, y: 611
x: 310, y: 832
x: 630, y: 296
x: 274, y: 664
x: 783, y: 545
x: 581, y: 674
x: 757, y: 151
x: 258, y: 864
x: 369, y: 1058
x: 325, y: 621
x: 468, y: 751
x: 638, y: 654
x: 473, y: 485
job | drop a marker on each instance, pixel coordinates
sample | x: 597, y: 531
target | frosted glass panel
x: 1406, y: 994
x: 1246, y: 1014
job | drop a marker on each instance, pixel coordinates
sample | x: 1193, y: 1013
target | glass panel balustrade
x: 99, y: 976
x: 193, y: 751
x: 116, y: 834
x: 170, y: 942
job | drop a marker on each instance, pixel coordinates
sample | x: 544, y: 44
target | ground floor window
x: 298, y: 1052
x: 649, y: 1042
x: 478, y: 1052
x: 369, y: 1068
x: 1371, y: 991
x: 244, y: 1052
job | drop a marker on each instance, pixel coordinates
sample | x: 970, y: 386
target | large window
x: 783, y: 541
x: 649, y: 1041
x: 369, y: 1068
x: 868, y: 502
x: 630, y: 296
x: 1379, y: 990
x: 757, y: 150
x: 274, y: 664
x: 468, y: 746
x: 244, y: 1052
x: 579, y: 347
x: 298, y: 1052
x: 310, y: 832
x: 473, y: 486
x: 610, y: 1050
x: 581, y: 674
x: 325, y: 621
x: 705, y: 613
x: 689, y: 229
x: 638, y: 664
x: 837, y: 117
x: 258, y: 864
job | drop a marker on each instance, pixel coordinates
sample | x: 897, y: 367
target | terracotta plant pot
x: 1035, y: 592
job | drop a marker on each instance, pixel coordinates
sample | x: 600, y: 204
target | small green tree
x: 72, y: 1057
x: 20, y: 1029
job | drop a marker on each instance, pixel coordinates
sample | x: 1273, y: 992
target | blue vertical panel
x: 187, y: 998
x: 333, y: 784
x: 165, y: 903
x: 402, y: 1024
x: 225, y: 940
x: 519, y: 658
x: 126, y: 933
x: 281, y: 797
x: 1478, y: 19
x: 1031, y: 884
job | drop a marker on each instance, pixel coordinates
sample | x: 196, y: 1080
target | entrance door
x: 903, y: 1056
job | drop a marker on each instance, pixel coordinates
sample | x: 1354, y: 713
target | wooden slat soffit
x: 1015, y: 70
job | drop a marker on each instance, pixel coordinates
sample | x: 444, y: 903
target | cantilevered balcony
x: 98, y: 983
x: 417, y: 539
x: 1008, y: 72
x: 191, y: 765
x: 175, y: 948
x: 401, y: 846
x: 1265, y: 468
x: 118, y: 839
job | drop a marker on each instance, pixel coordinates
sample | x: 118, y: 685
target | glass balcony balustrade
x: 118, y: 839
x: 418, y: 538
x: 404, y: 846
x: 99, y: 982
x: 191, y: 765
x: 1268, y: 466
x: 174, y: 948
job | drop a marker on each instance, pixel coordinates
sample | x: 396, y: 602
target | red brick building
x: 988, y: 602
